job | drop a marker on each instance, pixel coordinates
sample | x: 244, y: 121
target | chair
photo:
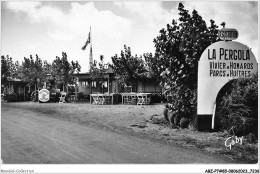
x: 127, y: 99
x: 101, y: 99
x: 107, y: 98
x: 140, y: 99
x: 62, y: 97
x: 148, y: 99
x: 95, y: 99
x: 133, y: 98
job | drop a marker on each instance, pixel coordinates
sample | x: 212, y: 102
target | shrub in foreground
x: 237, y: 107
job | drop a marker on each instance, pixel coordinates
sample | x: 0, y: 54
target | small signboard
x: 44, y: 95
x: 228, y: 34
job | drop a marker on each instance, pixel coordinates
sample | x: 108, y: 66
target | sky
x: 48, y: 28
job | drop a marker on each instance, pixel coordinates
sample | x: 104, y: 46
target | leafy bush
x: 184, y: 123
x: 165, y: 114
x: 237, y: 107
x: 171, y: 117
x: 178, y: 48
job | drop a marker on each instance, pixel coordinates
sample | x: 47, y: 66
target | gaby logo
x: 232, y: 141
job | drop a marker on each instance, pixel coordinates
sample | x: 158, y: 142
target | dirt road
x: 29, y: 137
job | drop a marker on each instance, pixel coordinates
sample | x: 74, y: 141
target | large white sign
x: 219, y: 63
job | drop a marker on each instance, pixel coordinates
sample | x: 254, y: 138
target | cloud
x: 135, y: 24
x: 148, y: 19
x: 22, y: 6
x: 35, y: 11
x: 241, y: 15
x: 148, y: 13
x: 68, y: 31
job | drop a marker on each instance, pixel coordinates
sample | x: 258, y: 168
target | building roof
x: 15, y: 80
x: 108, y: 73
x: 10, y: 79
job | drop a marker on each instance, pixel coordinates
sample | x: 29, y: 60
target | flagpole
x: 90, y: 52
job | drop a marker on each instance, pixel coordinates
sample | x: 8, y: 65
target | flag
x: 87, y: 42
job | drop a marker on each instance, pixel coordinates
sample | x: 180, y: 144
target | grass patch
x: 160, y: 121
x: 210, y: 142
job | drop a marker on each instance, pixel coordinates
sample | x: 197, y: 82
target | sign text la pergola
x: 228, y: 54
x: 226, y: 62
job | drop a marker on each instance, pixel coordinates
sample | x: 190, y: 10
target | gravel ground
x: 140, y: 121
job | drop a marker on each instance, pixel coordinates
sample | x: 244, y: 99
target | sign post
x: 218, y: 64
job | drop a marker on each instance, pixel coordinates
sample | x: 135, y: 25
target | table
x: 143, y: 98
x: 102, y: 98
x: 128, y: 97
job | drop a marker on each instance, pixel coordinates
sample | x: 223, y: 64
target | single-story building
x: 15, y: 90
x: 110, y: 84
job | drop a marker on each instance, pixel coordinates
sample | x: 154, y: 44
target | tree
x: 18, y: 70
x: 47, y: 68
x: 9, y: 69
x: 31, y: 72
x: 154, y: 66
x: 34, y: 72
x: 128, y: 68
x: 178, y: 50
x: 62, y: 70
x: 97, y: 70
x: 5, y: 70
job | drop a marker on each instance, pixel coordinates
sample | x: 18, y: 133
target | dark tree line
x: 34, y: 71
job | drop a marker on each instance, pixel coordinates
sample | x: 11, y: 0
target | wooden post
x: 91, y: 87
x: 108, y: 86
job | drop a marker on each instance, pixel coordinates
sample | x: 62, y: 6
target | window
x: 104, y: 84
x: 94, y: 84
x: 84, y: 84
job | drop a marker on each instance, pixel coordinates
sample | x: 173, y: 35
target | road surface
x: 30, y: 137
